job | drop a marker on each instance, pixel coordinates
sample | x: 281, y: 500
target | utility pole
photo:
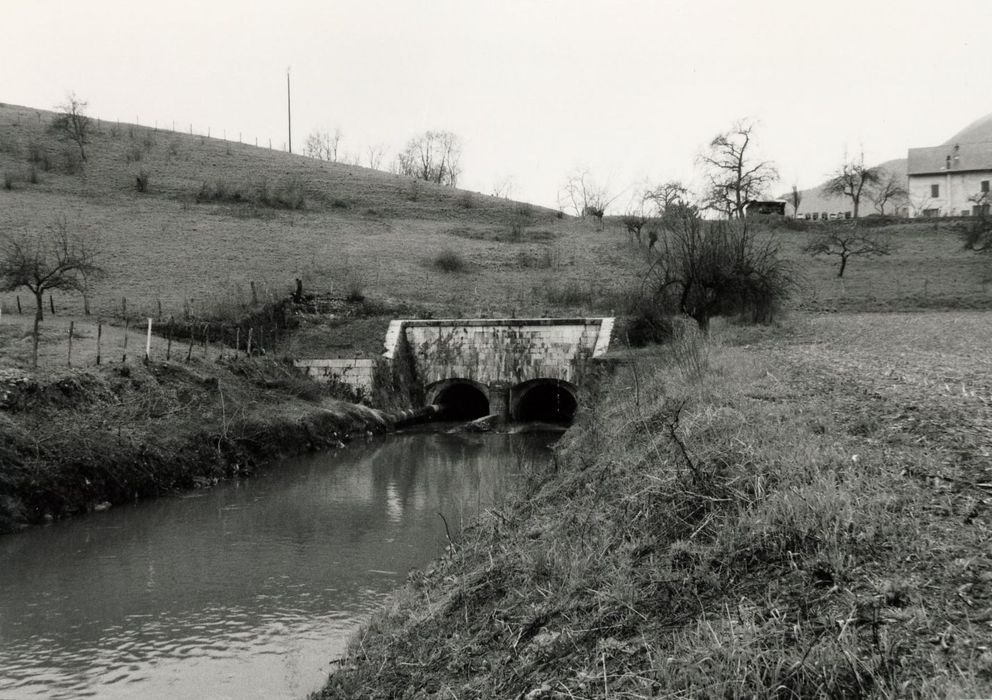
x: 289, y: 112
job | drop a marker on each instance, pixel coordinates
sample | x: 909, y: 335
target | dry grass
x: 163, y: 245
x: 927, y: 269
x: 360, y: 229
x: 779, y: 520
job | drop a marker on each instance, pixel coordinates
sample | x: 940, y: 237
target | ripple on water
x: 241, y: 591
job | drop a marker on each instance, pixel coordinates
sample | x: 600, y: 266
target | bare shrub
x: 38, y: 155
x: 141, y: 181
x: 72, y: 164
x: 716, y: 268
x: 289, y: 193
x: 633, y: 223
x: 449, y: 260
x: 133, y: 155
x: 352, y: 285
x: 413, y: 193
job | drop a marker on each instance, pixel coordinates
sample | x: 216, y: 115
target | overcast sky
x: 631, y: 90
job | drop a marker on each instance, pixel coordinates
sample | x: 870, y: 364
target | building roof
x: 963, y: 157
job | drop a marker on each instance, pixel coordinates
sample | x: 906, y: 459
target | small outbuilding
x: 764, y: 207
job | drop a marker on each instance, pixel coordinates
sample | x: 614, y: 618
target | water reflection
x: 247, y: 590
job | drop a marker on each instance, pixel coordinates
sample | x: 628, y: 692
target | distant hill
x: 978, y: 131
x: 813, y: 199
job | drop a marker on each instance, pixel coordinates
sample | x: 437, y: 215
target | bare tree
x: 890, y: 188
x: 55, y: 260
x: 733, y: 177
x: 666, y: 195
x: 796, y: 198
x: 502, y: 188
x: 849, y: 242
x: 323, y: 145
x: 852, y: 180
x: 584, y: 196
x: 71, y: 123
x: 433, y: 156
x: 375, y: 154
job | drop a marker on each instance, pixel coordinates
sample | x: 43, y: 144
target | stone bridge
x: 517, y: 369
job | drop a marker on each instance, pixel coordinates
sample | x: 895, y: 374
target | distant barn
x: 773, y: 207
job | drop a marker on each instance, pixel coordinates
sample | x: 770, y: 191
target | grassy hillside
x: 927, y: 269
x: 797, y: 514
x: 217, y: 215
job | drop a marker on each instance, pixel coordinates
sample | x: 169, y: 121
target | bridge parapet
x: 506, y: 357
x: 500, y: 350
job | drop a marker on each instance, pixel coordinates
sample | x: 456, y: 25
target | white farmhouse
x: 952, y: 179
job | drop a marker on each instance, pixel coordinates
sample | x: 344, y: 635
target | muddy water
x: 246, y: 590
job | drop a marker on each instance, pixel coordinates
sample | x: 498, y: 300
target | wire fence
x: 124, y: 336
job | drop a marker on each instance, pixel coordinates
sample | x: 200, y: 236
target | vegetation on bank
x: 77, y: 440
x: 785, y: 513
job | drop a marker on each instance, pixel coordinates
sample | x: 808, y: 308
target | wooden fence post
x: 168, y: 346
x: 99, y: 338
x: 148, y: 342
x: 254, y: 293
x: 51, y: 304
x: 124, y: 307
x: 206, y: 338
x: 124, y: 358
x: 237, y: 342
x: 18, y: 304
x: 250, y: 331
x: 71, y: 325
x: 192, y: 337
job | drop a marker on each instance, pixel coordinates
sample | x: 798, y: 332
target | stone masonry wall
x: 356, y: 373
x: 502, y: 350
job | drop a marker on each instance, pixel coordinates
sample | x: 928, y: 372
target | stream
x: 249, y: 589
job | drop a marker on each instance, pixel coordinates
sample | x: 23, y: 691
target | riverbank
x: 86, y: 439
x: 797, y: 513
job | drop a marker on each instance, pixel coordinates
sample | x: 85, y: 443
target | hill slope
x: 218, y: 215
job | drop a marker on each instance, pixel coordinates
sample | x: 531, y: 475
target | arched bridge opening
x: 543, y: 400
x: 460, y: 399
